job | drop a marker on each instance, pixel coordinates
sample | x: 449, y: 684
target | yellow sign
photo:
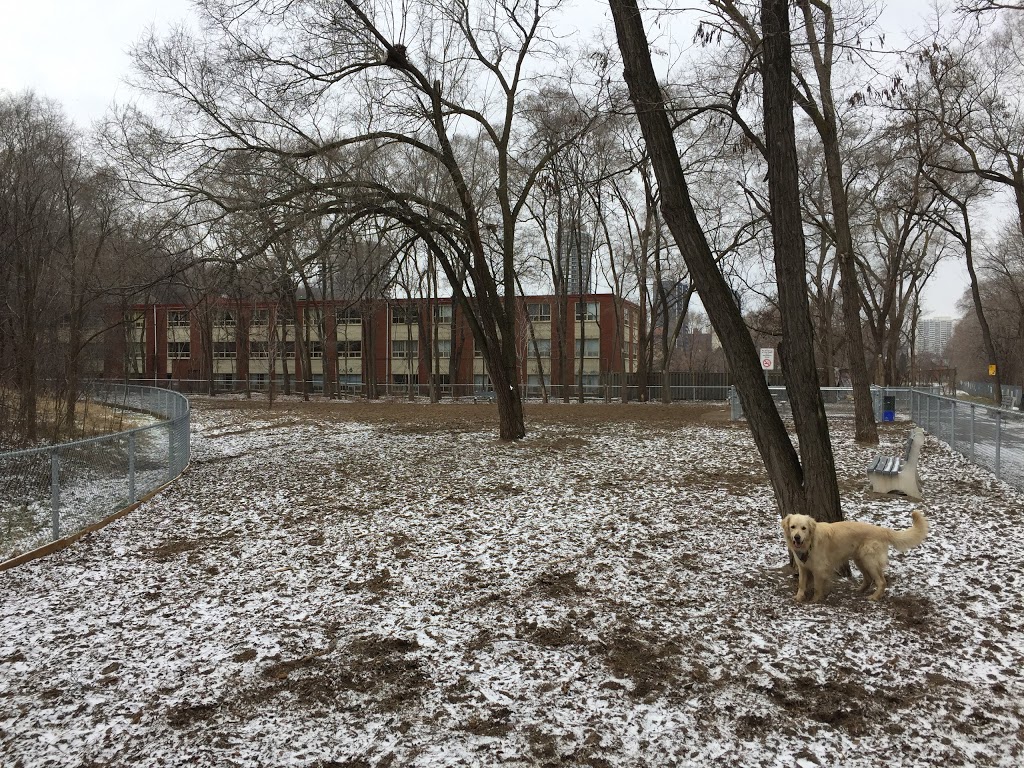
x: 991, y: 370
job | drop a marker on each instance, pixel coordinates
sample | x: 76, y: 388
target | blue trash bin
x: 889, y: 408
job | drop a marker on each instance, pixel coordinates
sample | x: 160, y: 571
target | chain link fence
x: 52, y: 492
x: 716, y: 390
x: 838, y: 402
x: 990, y: 437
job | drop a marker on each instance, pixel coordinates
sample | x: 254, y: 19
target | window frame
x: 174, y: 318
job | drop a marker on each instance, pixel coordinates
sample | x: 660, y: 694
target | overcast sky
x: 77, y: 54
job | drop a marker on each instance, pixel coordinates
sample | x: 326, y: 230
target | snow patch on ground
x: 318, y: 592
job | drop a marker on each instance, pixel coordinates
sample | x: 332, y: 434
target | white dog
x: 820, y: 548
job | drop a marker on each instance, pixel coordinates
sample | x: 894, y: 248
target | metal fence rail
x: 52, y: 492
x: 838, y: 402
x: 990, y: 437
x: 608, y: 391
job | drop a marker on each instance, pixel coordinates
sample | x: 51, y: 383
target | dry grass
x: 92, y: 419
x: 448, y: 416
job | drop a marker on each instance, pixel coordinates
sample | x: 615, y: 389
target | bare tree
x: 815, y: 489
x: 64, y: 229
x: 445, y: 70
x: 961, y: 111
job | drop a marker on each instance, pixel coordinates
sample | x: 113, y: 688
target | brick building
x: 387, y: 343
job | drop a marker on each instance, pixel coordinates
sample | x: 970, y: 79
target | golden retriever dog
x: 819, y: 548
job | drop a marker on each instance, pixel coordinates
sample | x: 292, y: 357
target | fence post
x: 170, y: 450
x: 999, y: 440
x: 131, y: 468
x: 952, y: 424
x: 972, y: 432
x: 55, y: 493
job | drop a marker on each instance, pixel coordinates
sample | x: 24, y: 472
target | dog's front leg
x: 822, y: 586
x: 801, y: 585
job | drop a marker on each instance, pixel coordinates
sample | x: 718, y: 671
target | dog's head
x: 799, y: 530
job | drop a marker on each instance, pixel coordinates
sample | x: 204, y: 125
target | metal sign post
x: 767, y: 361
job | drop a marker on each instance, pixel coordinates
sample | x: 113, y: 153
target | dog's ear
x: 785, y: 523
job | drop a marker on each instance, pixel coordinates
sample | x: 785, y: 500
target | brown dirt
x: 448, y: 416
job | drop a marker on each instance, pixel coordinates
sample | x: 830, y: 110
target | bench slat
x: 885, y: 465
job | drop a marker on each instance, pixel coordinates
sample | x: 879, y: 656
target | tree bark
x: 797, y: 350
x: 865, y: 429
x: 780, y: 458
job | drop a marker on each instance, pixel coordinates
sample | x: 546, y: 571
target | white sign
x: 768, y: 358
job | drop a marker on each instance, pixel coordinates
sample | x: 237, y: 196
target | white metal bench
x: 898, y: 474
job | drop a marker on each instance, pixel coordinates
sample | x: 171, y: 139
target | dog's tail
x: 911, y: 537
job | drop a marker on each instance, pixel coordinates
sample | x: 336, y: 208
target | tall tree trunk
x: 766, y: 425
x: 797, y: 349
x: 865, y: 429
x: 986, y: 330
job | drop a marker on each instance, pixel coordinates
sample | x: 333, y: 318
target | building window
x: 224, y: 320
x: 259, y: 350
x: 404, y: 314
x: 260, y: 318
x: 586, y: 311
x: 224, y: 350
x: 350, y: 349
x: 444, y: 348
x: 539, y: 347
x: 178, y: 350
x: 588, y: 348
x: 177, y: 318
x: 539, y: 312
x: 316, y: 351
x: 258, y: 380
x: 137, y: 350
x: 405, y: 379
x: 347, y: 316
x: 135, y: 319
x: 289, y: 349
x: 405, y: 348
x: 350, y: 379
x: 442, y: 313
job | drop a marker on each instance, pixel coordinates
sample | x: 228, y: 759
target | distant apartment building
x: 675, y: 296
x: 577, y: 259
x: 933, y: 335
x: 392, y: 342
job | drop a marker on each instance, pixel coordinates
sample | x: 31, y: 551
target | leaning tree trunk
x: 770, y: 436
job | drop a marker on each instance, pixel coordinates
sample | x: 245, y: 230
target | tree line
x: 796, y: 170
